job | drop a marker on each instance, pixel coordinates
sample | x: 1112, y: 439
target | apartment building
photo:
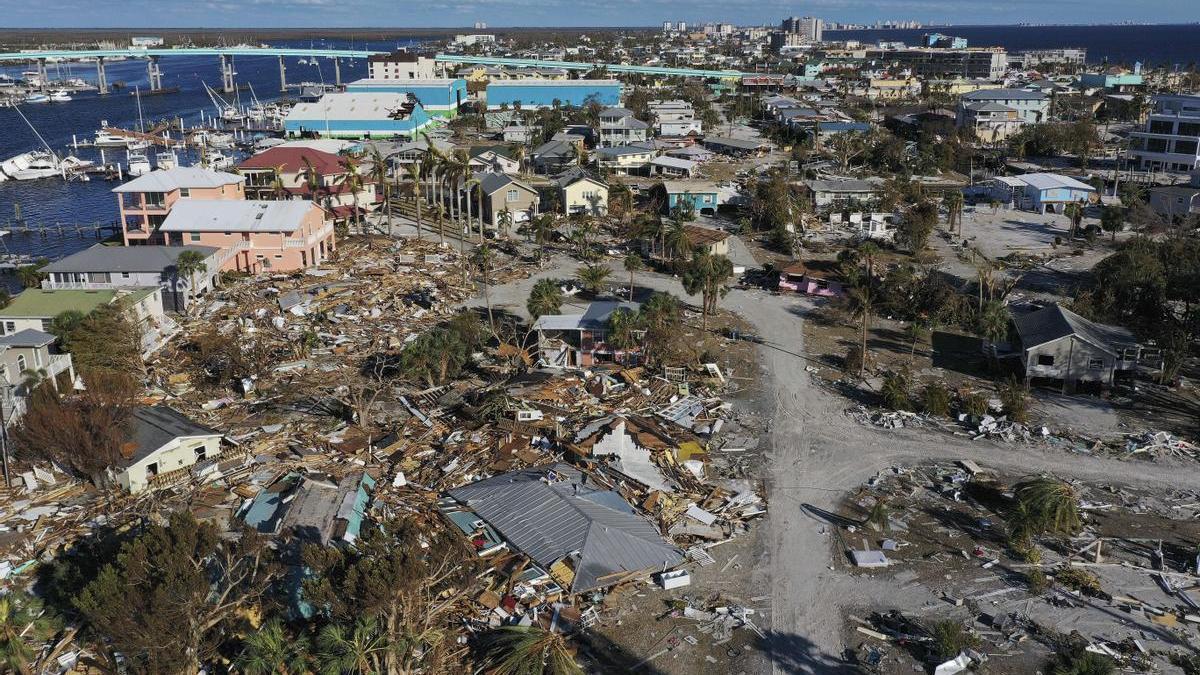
x: 401, y: 65
x: 1171, y: 139
x: 989, y: 63
x: 145, y: 201
x: 255, y: 236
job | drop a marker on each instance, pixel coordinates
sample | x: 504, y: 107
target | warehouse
x: 358, y: 115
x: 532, y: 94
x: 439, y: 98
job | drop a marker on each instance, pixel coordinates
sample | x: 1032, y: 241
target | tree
x: 169, y: 590
x: 31, y: 276
x: 21, y: 621
x: 953, y: 201
x: 545, y: 298
x: 187, y: 264
x: 381, y: 174
x: 592, y: 277
x: 895, y: 391
x: 1014, y: 396
x: 1074, y: 212
x: 677, y: 245
x: 482, y: 259
x: 434, y: 357
x: 706, y: 275
x: 660, y: 317
x: 271, y: 650
x: 993, y: 320
x: 1112, y: 218
x: 1052, y: 504
x: 623, y: 324
x: 949, y: 639
x: 1080, y: 662
x: 917, y: 225
x: 360, y: 649
x: 106, y: 340
x: 64, y: 323
x: 543, y: 228
x: 520, y: 650
x: 632, y: 263
x: 414, y: 186
x: 861, y: 304
x: 878, y: 517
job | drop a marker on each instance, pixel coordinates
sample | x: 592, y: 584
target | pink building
x: 254, y: 236
x: 817, y: 277
x: 144, y: 202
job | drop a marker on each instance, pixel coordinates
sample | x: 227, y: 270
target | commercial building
x: 1114, y: 79
x: 401, y: 65
x: 358, y: 115
x: 474, y: 39
x: 943, y: 41
x: 1171, y: 139
x: 990, y: 63
x: 533, y: 94
x: 262, y: 236
x: 1031, y: 106
x: 439, y: 98
x: 1074, y: 56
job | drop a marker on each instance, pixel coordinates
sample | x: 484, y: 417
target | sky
x: 502, y: 13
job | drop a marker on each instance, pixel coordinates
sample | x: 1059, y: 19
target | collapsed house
x: 315, y: 507
x: 587, y: 537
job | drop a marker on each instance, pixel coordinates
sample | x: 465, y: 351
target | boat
x: 166, y: 160
x: 37, y: 98
x: 219, y: 161
x: 60, y: 96
x: 34, y: 165
x: 220, y: 141
x: 139, y: 163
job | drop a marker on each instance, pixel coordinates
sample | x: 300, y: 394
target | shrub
x: 1080, y: 662
x: 1014, y: 396
x: 1037, y: 581
x: 895, y: 391
x: 1078, y: 579
x: 975, y: 404
x: 950, y: 638
x: 854, y: 359
x: 935, y: 399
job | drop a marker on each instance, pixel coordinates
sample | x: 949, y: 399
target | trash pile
x: 1158, y: 444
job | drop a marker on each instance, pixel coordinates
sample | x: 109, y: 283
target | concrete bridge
x: 228, y: 73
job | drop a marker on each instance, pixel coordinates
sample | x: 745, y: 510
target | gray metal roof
x: 231, y: 215
x: 1055, y: 322
x: 551, y: 512
x: 1003, y: 95
x: 101, y: 258
x: 27, y: 338
x: 594, y: 317
x: 166, y: 180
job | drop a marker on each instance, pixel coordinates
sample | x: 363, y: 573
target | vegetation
x: 1045, y: 504
x: 949, y: 639
x: 545, y: 298
x: 1014, y: 396
x: 105, y: 341
x: 706, y: 275
x: 935, y: 399
x: 917, y: 225
x: 895, y: 391
x: 593, y: 278
x: 519, y: 650
x: 1080, y: 662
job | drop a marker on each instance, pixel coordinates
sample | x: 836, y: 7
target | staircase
x: 406, y: 208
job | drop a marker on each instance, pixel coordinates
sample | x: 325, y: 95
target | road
x: 816, y: 454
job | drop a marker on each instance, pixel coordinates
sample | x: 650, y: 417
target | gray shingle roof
x: 101, y: 258
x: 1003, y: 95
x: 1054, y: 322
x: 550, y: 512
x: 27, y: 338
x: 152, y: 427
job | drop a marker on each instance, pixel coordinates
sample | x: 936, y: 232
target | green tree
x: 163, y: 600
x: 917, y: 225
x: 1052, y: 504
x: 935, y: 399
x: 861, y: 305
x: 63, y: 324
x: 1014, y: 396
x: 380, y: 171
x: 482, y: 259
x: 993, y: 320
x: 1074, y: 212
x: 622, y: 326
x: 106, y: 340
x: 677, y: 245
x: 949, y: 639
x: 707, y: 275
x: 414, y: 187
x: 953, y: 201
x: 895, y: 391
x: 1080, y: 662
x: 187, y: 264
x: 520, y: 650
x: 22, y: 621
x: 1112, y: 218
x: 358, y: 649
x: 593, y: 277
x: 632, y: 263
x: 545, y: 298
x: 272, y: 650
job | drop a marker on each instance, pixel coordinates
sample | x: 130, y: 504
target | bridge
x: 228, y: 73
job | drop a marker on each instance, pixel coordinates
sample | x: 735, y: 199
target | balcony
x: 59, y: 363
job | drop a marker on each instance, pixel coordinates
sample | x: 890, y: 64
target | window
x: 1095, y: 364
x: 194, y: 236
x: 124, y: 275
x: 200, y: 453
x: 9, y: 328
x: 513, y: 195
x: 185, y: 192
x: 21, y: 364
x: 1045, y: 359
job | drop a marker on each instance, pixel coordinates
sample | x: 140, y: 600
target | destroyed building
x: 587, y: 537
x: 580, y: 340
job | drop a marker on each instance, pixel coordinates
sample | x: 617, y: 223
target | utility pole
x: 4, y: 434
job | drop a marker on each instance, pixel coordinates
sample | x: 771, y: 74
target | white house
x: 163, y: 446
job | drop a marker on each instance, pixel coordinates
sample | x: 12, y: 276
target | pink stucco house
x: 816, y: 277
x: 145, y: 201
x: 254, y: 236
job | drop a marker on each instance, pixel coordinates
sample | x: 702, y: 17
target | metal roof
x: 1050, y: 181
x: 594, y: 317
x: 101, y: 258
x: 166, y: 180
x: 1004, y: 95
x: 552, y: 512
x: 355, y: 105
x: 229, y: 215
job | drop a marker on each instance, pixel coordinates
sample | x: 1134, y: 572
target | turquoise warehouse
x: 543, y: 93
x: 439, y: 98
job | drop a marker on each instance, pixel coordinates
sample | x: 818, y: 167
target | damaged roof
x: 551, y: 512
x: 1054, y: 322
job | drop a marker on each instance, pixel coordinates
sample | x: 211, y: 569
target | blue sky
x: 406, y: 13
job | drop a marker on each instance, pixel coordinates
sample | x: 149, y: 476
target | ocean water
x: 50, y: 202
x: 1157, y: 45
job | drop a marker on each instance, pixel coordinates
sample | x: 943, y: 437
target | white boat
x: 18, y: 163
x: 37, y: 98
x: 219, y: 161
x: 221, y: 141
x: 60, y: 95
x: 38, y: 165
x: 166, y: 160
x: 139, y: 163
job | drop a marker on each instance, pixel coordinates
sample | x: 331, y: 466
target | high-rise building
x: 1171, y: 139
x: 808, y: 27
x: 480, y: 25
x: 667, y: 26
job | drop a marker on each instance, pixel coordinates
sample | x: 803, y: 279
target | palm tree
x: 352, y: 181
x: 1074, y: 211
x: 953, y: 202
x: 315, y: 185
x: 545, y: 298
x: 878, y: 516
x: 706, y: 275
x: 482, y: 258
x: 993, y: 320
x: 520, y: 650
x: 592, y: 277
x: 868, y: 250
x: 633, y: 263
x: 505, y: 221
x: 622, y: 325
x: 862, y: 305
x: 359, y: 650
x: 278, y: 189
x: 188, y: 264
x: 543, y: 231
x: 1052, y: 502
x: 272, y: 651
x: 30, y: 275
x: 654, y: 230
x: 676, y: 244
x: 414, y: 175
x: 380, y: 170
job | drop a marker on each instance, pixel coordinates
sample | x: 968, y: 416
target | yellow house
x: 581, y: 193
x: 163, y: 445
x: 882, y: 89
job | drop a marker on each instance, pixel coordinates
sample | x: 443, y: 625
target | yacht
x: 139, y: 163
x: 221, y: 141
x: 106, y: 139
x: 37, y: 165
x: 166, y: 160
x: 37, y: 98
x: 219, y: 161
x: 60, y: 95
